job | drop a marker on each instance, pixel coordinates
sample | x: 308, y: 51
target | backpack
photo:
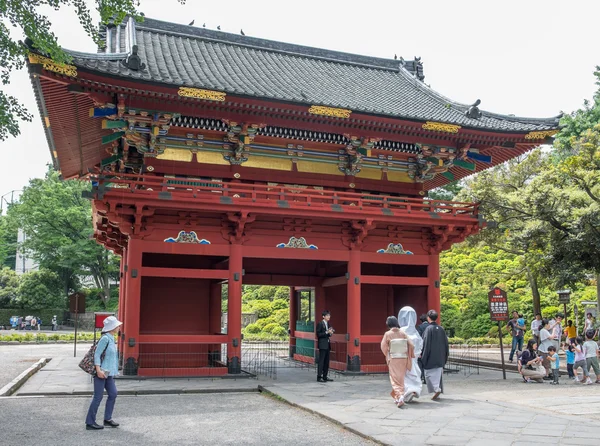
x: 87, y: 363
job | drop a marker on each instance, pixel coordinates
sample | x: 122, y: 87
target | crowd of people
x: 28, y: 323
x: 540, y: 360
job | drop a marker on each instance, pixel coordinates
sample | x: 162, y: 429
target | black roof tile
x: 197, y: 57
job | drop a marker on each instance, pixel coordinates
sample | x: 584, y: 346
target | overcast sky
x: 528, y: 57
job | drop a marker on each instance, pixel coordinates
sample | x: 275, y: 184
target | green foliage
x: 252, y: 328
x: 8, y: 243
x: 40, y: 289
x: 280, y: 304
x: 267, y: 292
x: 262, y: 308
x: 270, y: 327
x: 282, y: 317
x: 56, y: 220
x: 279, y: 331
x: 9, y: 287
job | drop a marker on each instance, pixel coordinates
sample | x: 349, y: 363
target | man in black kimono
x: 324, y: 332
x: 435, y: 354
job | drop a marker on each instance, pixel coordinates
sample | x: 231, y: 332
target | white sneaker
x: 588, y: 381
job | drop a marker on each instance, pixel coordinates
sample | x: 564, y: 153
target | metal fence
x: 464, y: 358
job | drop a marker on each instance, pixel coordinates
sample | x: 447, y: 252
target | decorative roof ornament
x: 199, y: 93
x: 187, y: 237
x: 50, y: 65
x: 394, y: 248
x: 441, y: 127
x: 299, y: 242
x: 133, y: 61
x: 473, y: 112
x: 541, y: 134
x: 329, y: 111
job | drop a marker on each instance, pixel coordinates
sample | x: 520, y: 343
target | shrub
x: 252, y: 328
x: 270, y: 327
x: 282, y: 317
x: 262, y: 322
x: 279, y: 331
x: 262, y: 308
x: 280, y: 304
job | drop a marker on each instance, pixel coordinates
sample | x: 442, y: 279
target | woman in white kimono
x: 407, y: 317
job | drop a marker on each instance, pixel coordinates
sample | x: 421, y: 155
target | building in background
x: 24, y: 263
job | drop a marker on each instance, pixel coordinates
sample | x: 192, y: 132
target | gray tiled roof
x: 196, y: 57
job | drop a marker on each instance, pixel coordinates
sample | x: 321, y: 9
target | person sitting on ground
x: 554, y: 364
x: 590, y: 349
x: 531, y: 363
x: 580, y: 361
x: 546, y: 340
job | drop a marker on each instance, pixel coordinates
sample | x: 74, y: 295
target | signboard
x: 99, y: 319
x: 77, y: 303
x: 498, y: 304
x: 564, y: 296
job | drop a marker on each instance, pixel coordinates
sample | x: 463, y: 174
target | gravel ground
x: 213, y: 419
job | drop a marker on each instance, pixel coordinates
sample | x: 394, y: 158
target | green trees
x: 58, y: 224
x: 9, y: 287
x: 40, y: 289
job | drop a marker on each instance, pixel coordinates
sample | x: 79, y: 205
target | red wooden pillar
x: 433, y: 290
x: 354, y: 311
x: 121, y: 287
x: 234, y: 310
x: 214, y: 306
x: 293, y: 319
x: 390, y: 300
x: 122, y: 300
x: 131, y: 324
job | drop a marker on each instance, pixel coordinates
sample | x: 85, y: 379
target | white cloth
x: 407, y: 318
x: 433, y: 377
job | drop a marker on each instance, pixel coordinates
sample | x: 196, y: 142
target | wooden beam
x: 183, y: 339
x: 281, y: 280
x: 185, y: 273
x: 394, y: 259
x: 395, y: 280
x: 260, y: 252
x: 335, y: 281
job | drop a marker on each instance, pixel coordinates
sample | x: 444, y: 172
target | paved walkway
x: 480, y: 409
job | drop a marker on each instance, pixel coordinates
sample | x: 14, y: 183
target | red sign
x: 99, y: 319
x: 498, y: 304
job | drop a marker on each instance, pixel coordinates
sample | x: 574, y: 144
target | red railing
x: 186, y: 189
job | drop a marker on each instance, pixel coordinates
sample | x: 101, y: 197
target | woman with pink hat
x: 107, y: 368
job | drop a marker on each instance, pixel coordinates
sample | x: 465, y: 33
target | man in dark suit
x: 324, y: 332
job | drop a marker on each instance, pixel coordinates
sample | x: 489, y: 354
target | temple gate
x: 216, y: 158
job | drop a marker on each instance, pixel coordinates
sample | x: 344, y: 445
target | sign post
x: 498, y: 304
x: 76, y: 305
x: 564, y: 297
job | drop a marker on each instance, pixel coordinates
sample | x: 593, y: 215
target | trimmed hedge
x: 44, y: 313
x: 43, y: 337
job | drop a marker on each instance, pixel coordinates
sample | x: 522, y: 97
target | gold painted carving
x: 209, y: 95
x: 50, y: 65
x: 329, y: 111
x: 441, y: 127
x: 541, y: 135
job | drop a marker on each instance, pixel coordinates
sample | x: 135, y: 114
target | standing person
x: 435, y: 354
x: 556, y: 329
x: 580, y: 362
x: 39, y: 323
x: 570, y: 332
x: 554, y: 364
x: 535, y: 327
x: 54, y: 323
x: 590, y: 349
x: 547, y: 339
x: 398, y: 352
x: 531, y: 363
x: 407, y: 318
x: 107, y: 368
x: 33, y: 322
x: 324, y: 332
x: 570, y: 354
x: 517, y: 335
x: 421, y: 328
x: 589, y: 322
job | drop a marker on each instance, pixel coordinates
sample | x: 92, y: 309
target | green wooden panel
x: 305, y: 347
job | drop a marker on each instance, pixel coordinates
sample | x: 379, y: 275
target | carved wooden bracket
x: 235, y: 226
x: 355, y: 233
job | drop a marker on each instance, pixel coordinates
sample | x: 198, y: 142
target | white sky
x: 528, y: 57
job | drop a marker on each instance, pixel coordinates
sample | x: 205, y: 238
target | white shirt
x: 535, y: 327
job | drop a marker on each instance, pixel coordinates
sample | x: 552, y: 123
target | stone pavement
x: 480, y: 409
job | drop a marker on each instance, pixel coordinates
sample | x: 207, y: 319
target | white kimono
x: 407, y: 317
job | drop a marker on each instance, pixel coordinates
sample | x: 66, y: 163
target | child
x: 554, y: 363
x: 580, y: 361
x: 570, y: 352
x: 590, y: 349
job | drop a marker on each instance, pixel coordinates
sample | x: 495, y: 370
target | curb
x: 268, y: 392
x: 16, y: 383
x: 143, y: 392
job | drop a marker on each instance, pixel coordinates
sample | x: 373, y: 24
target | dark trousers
x: 555, y: 375
x: 517, y: 344
x: 570, y: 370
x: 323, y: 363
x: 111, y: 390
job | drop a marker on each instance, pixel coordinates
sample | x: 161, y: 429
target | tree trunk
x: 534, y: 291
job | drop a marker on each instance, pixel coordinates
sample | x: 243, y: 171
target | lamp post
x: 12, y: 198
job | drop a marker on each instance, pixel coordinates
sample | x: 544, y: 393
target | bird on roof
x: 395, y: 57
x: 242, y: 32
x: 204, y: 25
x: 219, y: 27
x: 192, y: 23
